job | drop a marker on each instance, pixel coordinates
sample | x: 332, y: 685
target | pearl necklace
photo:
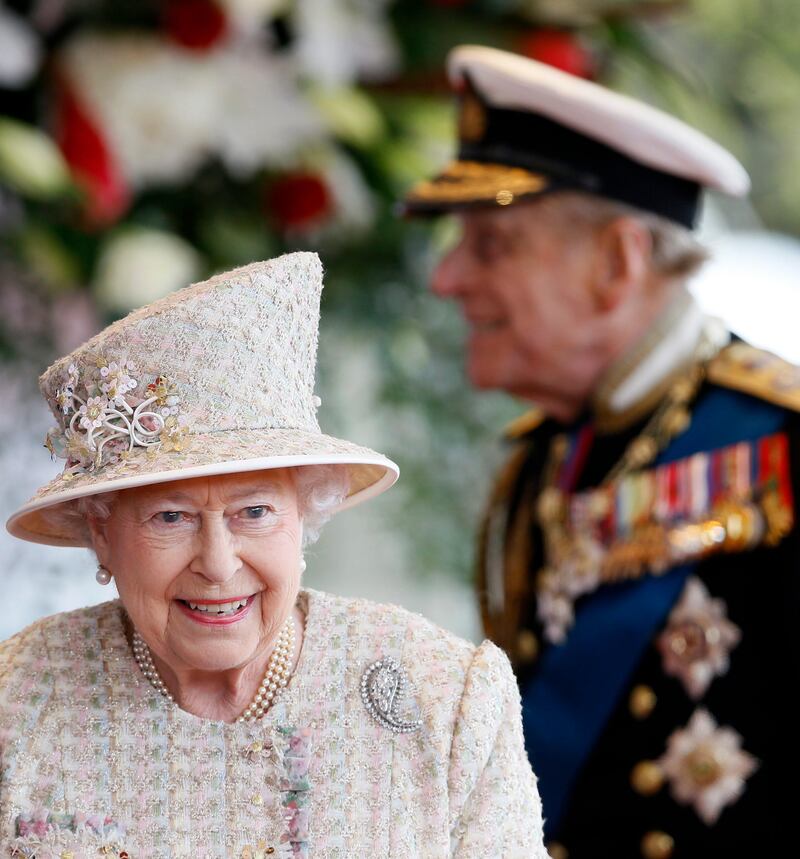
x: 276, y: 677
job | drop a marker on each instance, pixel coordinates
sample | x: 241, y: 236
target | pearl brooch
x: 276, y: 676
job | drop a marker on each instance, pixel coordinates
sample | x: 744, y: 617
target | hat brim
x: 467, y: 184
x: 206, y: 455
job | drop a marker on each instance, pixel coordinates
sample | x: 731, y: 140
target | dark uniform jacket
x: 633, y: 759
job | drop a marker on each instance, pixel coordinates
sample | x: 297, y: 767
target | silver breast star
x: 383, y: 689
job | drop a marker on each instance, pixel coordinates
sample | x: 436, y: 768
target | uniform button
x: 642, y: 701
x: 257, y: 799
x: 657, y: 845
x: 647, y: 778
x: 557, y: 851
x: 527, y: 646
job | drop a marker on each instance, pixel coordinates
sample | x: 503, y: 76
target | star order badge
x: 706, y: 766
x: 698, y: 638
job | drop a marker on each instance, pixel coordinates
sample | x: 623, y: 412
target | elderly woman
x: 218, y: 709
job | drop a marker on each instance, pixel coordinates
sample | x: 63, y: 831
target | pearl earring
x: 102, y: 575
x: 303, y: 565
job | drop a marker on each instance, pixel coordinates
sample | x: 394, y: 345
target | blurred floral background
x: 147, y: 144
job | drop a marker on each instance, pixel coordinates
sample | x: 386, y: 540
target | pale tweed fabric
x: 82, y: 732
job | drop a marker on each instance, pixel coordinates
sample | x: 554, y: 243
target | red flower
x: 90, y: 158
x: 560, y: 49
x: 195, y: 24
x: 299, y: 201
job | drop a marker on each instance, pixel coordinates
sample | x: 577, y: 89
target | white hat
x: 527, y: 129
x: 217, y: 378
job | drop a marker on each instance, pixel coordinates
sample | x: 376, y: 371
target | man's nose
x: 216, y: 557
x: 448, y: 280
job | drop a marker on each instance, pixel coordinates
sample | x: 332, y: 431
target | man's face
x: 523, y: 279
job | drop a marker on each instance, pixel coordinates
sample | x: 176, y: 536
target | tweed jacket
x: 94, y: 761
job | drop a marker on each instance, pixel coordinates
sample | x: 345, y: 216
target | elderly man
x: 639, y: 559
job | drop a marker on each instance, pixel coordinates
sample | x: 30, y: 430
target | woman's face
x: 208, y: 569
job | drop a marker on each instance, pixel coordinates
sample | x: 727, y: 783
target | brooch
x: 383, y: 688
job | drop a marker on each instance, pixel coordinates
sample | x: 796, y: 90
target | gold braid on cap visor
x: 475, y: 181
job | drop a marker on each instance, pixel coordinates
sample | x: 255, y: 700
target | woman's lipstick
x: 217, y: 612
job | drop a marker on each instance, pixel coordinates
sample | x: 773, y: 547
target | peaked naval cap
x: 217, y: 378
x: 526, y: 129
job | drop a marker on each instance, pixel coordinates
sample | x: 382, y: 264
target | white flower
x: 116, y: 382
x: 165, y: 110
x: 155, y: 104
x: 20, y: 51
x: 341, y: 41
x: 138, y: 266
x: 706, y: 766
x: 250, y: 15
x: 93, y: 412
x: 263, y: 118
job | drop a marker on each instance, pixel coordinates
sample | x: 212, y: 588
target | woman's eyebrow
x: 178, y: 497
x: 271, y: 486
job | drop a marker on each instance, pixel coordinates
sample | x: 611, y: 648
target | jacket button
x: 642, y: 701
x: 647, y: 778
x: 557, y: 851
x: 657, y: 845
x: 527, y: 646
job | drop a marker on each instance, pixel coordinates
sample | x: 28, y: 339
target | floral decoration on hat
x: 107, y: 412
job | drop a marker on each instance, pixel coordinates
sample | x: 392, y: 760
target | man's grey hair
x: 320, y: 490
x: 676, y: 253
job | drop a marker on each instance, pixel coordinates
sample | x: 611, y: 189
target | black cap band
x: 572, y: 160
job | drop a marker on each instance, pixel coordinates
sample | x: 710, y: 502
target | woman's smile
x: 217, y: 612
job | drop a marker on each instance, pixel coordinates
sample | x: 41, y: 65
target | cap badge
x: 472, y: 118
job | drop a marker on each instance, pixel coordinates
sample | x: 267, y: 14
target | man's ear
x: 623, y: 250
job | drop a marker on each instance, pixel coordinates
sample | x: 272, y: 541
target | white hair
x: 320, y: 490
x: 676, y: 252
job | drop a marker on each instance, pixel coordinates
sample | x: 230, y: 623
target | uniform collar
x: 635, y: 383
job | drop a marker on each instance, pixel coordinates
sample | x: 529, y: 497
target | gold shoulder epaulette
x: 757, y: 372
x: 524, y: 424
